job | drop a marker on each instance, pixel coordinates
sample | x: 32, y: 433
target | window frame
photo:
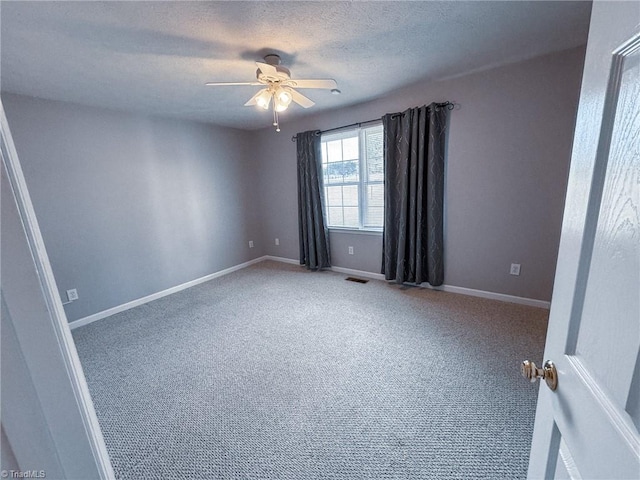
x: 362, y: 183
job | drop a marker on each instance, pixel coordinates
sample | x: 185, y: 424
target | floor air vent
x: 357, y: 280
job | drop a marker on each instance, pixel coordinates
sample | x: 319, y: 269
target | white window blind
x: 352, y: 167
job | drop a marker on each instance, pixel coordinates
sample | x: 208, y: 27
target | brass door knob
x: 548, y: 372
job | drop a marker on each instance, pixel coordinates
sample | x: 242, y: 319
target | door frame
x: 57, y: 316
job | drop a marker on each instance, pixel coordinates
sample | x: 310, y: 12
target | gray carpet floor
x: 274, y: 372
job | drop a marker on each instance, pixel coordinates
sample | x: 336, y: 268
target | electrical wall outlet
x: 277, y: 241
x: 72, y: 295
x: 350, y: 250
x: 250, y: 243
x: 515, y: 269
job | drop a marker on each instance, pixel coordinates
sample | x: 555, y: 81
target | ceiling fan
x: 280, y: 87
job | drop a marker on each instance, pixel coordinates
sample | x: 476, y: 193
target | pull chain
x: 276, y: 123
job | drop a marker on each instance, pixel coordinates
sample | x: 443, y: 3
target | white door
x: 588, y: 427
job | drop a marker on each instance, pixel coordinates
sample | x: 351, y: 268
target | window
x: 354, y: 178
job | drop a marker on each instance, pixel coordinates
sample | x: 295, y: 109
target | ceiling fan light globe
x: 280, y: 107
x: 262, y: 103
x: 263, y: 100
x: 281, y: 99
x: 284, y: 96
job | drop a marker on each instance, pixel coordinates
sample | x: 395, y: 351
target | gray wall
x: 131, y: 205
x: 508, y: 157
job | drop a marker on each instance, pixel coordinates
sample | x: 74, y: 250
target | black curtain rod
x: 359, y: 124
x: 448, y: 105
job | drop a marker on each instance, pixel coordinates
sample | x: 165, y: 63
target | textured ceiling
x: 155, y: 57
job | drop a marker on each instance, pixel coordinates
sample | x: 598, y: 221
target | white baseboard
x: 444, y: 288
x: 281, y: 259
x: 348, y: 271
x: 358, y: 273
x: 154, y: 296
x: 503, y: 297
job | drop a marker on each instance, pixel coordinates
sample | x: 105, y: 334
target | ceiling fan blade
x: 219, y: 84
x: 301, y: 99
x: 268, y: 70
x: 327, y: 83
x: 252, y: 100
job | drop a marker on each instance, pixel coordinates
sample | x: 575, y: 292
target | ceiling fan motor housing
x: 282, y: 74
x: 272, y: 59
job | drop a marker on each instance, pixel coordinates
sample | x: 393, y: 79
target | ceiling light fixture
x: 281, y: 96
x: 281, y: 99
x: 279, y: 86
x: 264, y: 98
x: 284, y: 96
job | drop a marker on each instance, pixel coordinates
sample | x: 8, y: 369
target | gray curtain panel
x: 414, y: 146
x: 313, y: 232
